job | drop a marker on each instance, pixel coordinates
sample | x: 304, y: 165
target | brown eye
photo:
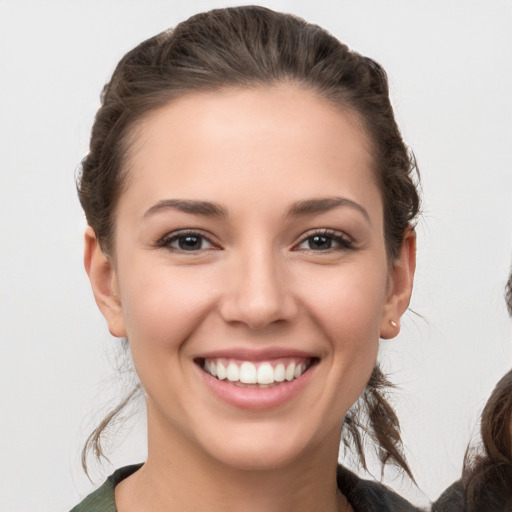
x: 190, y: 243
x: 319, y: 242
x: 325, y: 241
x: 186, y: 242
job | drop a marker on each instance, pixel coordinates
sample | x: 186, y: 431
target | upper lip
x: 247, y: 354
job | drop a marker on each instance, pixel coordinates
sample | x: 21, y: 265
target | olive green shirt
x: 102, y: 499
x: 363, y: 495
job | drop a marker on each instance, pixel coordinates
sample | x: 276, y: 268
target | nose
x: 258, y: 292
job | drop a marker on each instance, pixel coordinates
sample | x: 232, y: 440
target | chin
x: 257, y: 460
x: 258, y: 449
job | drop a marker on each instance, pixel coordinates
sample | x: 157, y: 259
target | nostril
x: 257, y: 315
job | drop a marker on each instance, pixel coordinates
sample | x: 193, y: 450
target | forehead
x: 284, y: 139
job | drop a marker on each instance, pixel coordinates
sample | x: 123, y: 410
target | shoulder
x: 452, y: 499
x: 368, y: 496
x: 102, y: 499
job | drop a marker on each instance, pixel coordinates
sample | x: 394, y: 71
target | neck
x: 177, y: 478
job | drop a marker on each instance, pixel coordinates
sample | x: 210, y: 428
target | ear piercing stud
x: 393, y: 323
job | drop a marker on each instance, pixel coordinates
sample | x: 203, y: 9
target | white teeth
x: 233, y: 372
x: 265, y: 374
x: 221, y: 371
x: 279, y: 372
x: 248, y: 373
x: 290, y: 372
x: 251, y: 373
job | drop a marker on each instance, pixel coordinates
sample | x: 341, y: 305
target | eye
x: 326, y: 240
x: 186, y: 241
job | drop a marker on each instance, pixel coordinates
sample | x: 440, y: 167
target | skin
x: 256, y: 282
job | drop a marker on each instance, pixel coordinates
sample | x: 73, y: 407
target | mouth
x: 257, y: 374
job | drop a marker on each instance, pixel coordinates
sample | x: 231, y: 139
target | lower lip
x: 256, y: 399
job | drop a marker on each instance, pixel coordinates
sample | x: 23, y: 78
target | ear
x: 400, y: 286
x: 103, y: 278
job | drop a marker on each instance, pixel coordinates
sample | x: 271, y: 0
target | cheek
x: 163, y: 305
x: 352, y: 321
x: 349, y: 305
x: 348, y: 309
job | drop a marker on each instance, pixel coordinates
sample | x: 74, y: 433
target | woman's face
x: 250, y: 273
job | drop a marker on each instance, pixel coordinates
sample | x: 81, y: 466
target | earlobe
x: 401, y: 281
x: 103, y: 278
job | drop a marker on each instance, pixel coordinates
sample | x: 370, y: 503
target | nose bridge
x: 259, y: 292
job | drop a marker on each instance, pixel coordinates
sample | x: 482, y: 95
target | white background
x: 450, y: 69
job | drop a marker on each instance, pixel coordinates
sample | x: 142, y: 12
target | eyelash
x: 343, y: 241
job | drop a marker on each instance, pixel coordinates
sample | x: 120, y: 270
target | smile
x: 256, y: 374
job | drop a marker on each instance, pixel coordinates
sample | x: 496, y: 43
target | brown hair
x: 508, y: 294
x: 247, y: 47
x: 487, y: 474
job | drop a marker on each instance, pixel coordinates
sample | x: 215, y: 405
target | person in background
x: 486, y: 482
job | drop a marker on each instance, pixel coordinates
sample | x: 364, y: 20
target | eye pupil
x: 189, y: 243
x: 320, y: 242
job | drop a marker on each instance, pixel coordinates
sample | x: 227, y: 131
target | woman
x: 249, y: 201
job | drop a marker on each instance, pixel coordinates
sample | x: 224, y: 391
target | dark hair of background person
x: 486, y: 482
x: 487, y: 476
x: 248, y: 47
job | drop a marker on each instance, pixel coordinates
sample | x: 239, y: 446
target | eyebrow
x: 324, y: 205
x: 204, y: 208
x: 210, y: 209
